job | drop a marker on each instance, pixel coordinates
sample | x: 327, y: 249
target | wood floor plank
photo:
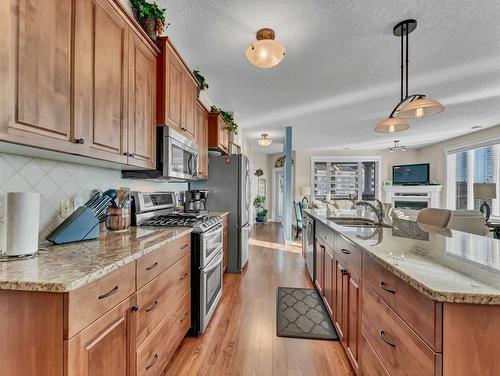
x: 241, y: 337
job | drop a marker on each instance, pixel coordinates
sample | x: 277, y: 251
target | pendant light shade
x: 391, y: 125
x: 419, y: 108
x: 265, y: 52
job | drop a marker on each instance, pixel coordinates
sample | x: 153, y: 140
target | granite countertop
x: 63, y: 268
x: 445, y: 265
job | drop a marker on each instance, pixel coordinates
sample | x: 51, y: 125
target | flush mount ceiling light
x: 264, y: 140
x: 397, y: 147
x: 413, y: 106
x: 265, y: 52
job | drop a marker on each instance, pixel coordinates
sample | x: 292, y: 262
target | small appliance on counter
x: 23, y: 213
x: 83, y: 223
x: 195, y: 201
x: 207, y: 239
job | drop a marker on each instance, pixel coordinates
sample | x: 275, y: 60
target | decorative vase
x: 149, y: 26
x: 198, y: 91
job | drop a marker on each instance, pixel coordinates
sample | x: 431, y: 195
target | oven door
x: 181, y: 161
x: 211, y: 289
x: 211, y: 243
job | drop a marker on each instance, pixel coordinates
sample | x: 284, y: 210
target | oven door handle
x: 216, y: 229
x: 213, y: 264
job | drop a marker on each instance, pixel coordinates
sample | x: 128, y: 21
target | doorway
x: 278, y: 194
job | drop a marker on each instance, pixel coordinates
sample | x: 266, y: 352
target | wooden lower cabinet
x: 319, y: 265
x: 329, y: 281
x: 352, y: 339
x: 102, y: 348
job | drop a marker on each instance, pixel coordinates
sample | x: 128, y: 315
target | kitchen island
x: 410, y: 299
x: 117, y: 305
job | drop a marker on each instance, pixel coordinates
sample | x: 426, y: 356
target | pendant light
x: 264, y: 140
x: 413, y: 106
x: 265, y: 52
x: 397, y: 147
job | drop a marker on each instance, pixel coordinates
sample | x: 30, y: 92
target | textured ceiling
x: 341, y: 74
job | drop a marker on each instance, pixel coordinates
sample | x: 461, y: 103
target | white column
x: 470, y: 180
x: 496, y: 159
x: 451, y: 183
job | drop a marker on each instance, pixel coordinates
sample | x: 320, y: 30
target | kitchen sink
x: 353, y: 222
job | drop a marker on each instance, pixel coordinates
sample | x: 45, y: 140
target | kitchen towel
x: 23, y: 217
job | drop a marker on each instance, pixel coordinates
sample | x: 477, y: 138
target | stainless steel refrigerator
x: 229, y: 186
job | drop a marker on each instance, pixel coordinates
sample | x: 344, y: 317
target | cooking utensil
x: 111, y: 193
x: 102, y: 205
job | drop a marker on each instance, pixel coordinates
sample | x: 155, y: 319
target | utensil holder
x: 118, y: 219
x: 82, y: 224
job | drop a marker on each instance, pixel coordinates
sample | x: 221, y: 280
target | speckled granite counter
x: 64, y: 268
x: 447, y: 266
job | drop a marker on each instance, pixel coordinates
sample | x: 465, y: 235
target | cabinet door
x: 188, y: 106
x: 329, y: 280
x: 353, y: 320
x: 35, y: 62
x: 142, y: 99
x: 174, y: 90
x: 202, y: 141
x: 101, y: 69
x: 223, y: 136
x: 101, y: 348
x: 319, y: 266
x: 340, y: 287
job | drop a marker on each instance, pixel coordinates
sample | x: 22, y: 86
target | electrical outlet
x: 65, y: 208
x: 77, y: 202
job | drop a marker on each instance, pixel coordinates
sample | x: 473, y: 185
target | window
x: 344, y: 178
x: 467, y: 166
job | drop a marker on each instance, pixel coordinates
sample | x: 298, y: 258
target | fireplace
x: 410, y: 205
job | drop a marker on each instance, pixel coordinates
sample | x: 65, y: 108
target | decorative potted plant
x: 261, y: 212
x: 150, y: 16
x: 231, y: 126
x: 259, y: 172
x: 202, y: 82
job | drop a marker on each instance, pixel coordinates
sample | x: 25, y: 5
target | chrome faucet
x: 378, y: 211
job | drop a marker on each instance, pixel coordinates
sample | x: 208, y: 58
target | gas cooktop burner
x: 199, y: 223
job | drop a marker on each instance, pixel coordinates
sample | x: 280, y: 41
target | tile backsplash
x: 56, y: 181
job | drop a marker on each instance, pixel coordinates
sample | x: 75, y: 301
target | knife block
x: 82, y: 224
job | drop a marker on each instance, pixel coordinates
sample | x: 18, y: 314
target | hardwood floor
x: 241, y: 337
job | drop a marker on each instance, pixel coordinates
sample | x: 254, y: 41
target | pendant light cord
x: 407, y: 41
x: 402, y: 63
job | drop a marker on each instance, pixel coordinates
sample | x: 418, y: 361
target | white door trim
x: 274, y: 194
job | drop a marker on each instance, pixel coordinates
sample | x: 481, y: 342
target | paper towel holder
x: 5, y: 258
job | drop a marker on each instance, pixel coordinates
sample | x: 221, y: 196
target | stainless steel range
x: 158, y: 209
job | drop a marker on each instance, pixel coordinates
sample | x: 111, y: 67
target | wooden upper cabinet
x: 35, y: 62
x: 142, y: 104
x: 176, y: 91
x: 218, y: 136
x: 101, y: 66
x: 202, y: 140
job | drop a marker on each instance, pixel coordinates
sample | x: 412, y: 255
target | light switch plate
x: 66, y: 207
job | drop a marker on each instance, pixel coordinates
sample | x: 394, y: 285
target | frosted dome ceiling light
x: 264, y: 140
x: 265, y: 52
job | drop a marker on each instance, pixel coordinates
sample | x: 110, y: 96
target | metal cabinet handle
x: 383, y: 287
x: 183, y: 319
x: 151, y: 267
x: 131, y: 155
x: 153, y: 306
x: 344, y: 271
x: 185, y: 275
x: 153, y: 362
x: 80, y: 141
x: 346, y: 251
x: 184, y: 246
x: 109, y: 293
x: 384, y: 338
x: 134, y: 308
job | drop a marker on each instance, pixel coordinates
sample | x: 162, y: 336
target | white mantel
x: 431, y: 194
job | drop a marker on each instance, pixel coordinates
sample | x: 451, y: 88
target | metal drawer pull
x: 390, y: 343
x: 153, y: 362
x: 108, y: 294
x: 185, y: 317
x: 134, y: 308
x: 344, y: 271
x: 382, y: 286
x: 152, y: 266
x: 345, y: 251
x: 185, y: 275
x: 184, y: 246
x: 153, y: 306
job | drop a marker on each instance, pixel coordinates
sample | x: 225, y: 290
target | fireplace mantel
x: 430, y: 194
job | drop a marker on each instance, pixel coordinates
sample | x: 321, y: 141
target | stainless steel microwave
x: 176, y: 160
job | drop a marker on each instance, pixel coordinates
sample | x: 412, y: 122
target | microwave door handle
x: 190, y: 171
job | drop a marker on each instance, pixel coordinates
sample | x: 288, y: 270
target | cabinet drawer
x: 158, y: 297
x: 398, y: 347
x: 349, y: 253
x: 156, y: 262
x: 88, y: 303
x: 423, y: 315
x: 154, y: 354
x: 371, y: 364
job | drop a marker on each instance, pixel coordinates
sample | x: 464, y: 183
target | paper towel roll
x: 23, y: 217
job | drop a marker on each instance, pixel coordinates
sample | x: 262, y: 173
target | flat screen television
x: 412, y: 174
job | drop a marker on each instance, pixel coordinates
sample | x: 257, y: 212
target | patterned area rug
x: 301, y: 314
